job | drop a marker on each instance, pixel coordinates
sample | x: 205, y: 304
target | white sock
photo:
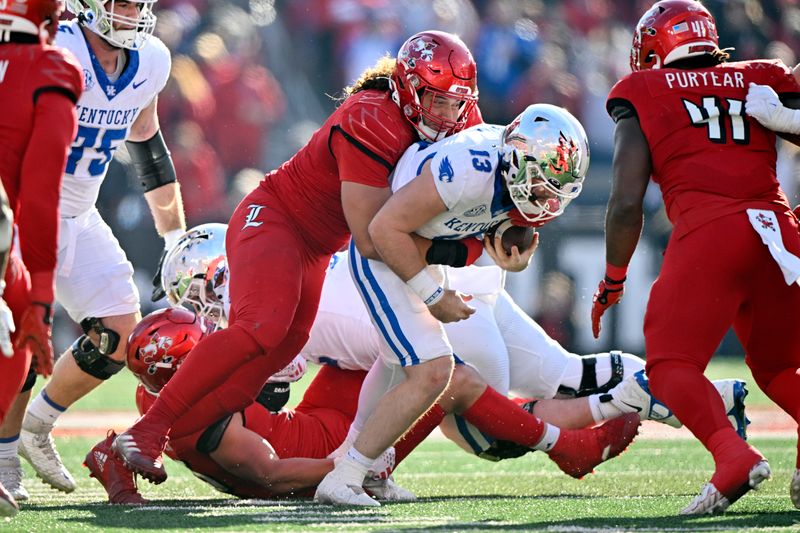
x: 8, y: 447
x: 603, y: 410
x: 42, y: 414
x: 352, y: 435
x: 549, y: 438
x: 352, y: 468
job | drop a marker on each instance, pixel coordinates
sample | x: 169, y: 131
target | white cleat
x: 11, y: 478
x: 39, y: 449
x: 794, y: 489
x: 386, y: 490
x: 711, y: 501
x: 8, y: 507
x: 333, y: 491
x: 633, y: 395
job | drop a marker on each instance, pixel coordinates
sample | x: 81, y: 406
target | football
x: 512, y: 235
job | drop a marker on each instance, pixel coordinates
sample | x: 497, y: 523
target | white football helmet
x: 195, y: 272
x: 547, y: 153
x: 120, y: 30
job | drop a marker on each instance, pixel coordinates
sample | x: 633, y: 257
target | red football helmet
x: 35, y: 17
x: 672, y: 30
x: 159, y: 344
x: 439, y: 63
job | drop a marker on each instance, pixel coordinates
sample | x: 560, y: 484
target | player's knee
x: 433, y: 376
x: 466, y: 386
x: 95, y: 359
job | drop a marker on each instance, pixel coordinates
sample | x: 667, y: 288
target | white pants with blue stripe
x: 409, y: 334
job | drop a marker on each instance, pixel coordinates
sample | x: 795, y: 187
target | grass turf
x: 642, y: 490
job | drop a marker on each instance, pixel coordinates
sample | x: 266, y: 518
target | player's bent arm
x: 392, y: 227
x: 155, y: 168
x: 631, y: 169
x: 791, y: 103
x: 360, y: 204
x: 42, y: 169
x: 249, y: 456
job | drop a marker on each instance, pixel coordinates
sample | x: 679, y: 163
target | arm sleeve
x: 42, y: 168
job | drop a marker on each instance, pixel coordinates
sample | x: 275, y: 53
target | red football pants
x: 275, y: 284
x: 14, y: 370
x: 717, y: 276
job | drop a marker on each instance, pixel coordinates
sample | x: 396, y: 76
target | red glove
x: 474, y: 249
x: 609, y: 292
x: 518, y: 220
x: 35, y: 331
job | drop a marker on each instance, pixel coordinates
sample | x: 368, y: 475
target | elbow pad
x: 152, y: 161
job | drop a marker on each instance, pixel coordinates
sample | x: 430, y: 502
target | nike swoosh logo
x: 634, y: 407
x: 137, y: 85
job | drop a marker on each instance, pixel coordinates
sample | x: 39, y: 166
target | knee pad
x: 589, y: 383
x: 93, y: 360
x: 30, y: 380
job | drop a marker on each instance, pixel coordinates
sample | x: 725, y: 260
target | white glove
x: 763, y: 104
x: 6, y: 329
x: 291, y: 372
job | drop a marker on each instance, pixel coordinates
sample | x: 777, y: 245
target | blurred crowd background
x: 252, y: 79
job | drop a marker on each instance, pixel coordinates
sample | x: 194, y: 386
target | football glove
x: 764, y: 105
x: 35, y: 331
x: 6, y: 329
x: 609, y: 292
x: 518, y: 220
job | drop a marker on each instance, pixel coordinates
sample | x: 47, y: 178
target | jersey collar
x: 112, y: 89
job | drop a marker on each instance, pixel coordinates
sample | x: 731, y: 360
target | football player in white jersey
x: 125, y: 68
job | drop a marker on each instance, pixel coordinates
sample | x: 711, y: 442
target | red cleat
x: 110, y: 471
x: 141, y: 452
x: 578, y: 451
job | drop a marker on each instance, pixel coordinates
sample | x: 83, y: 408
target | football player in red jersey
x: 282, y: 234
x: 39, y: 85
x: 680, y: 119
x: 263, y: 451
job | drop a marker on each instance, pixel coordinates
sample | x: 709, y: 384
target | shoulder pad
x: 59, y: 69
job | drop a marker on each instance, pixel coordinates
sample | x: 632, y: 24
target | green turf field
x: 642, y: 490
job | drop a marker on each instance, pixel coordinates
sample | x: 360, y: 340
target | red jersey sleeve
x: 776, y: 74
x: 59, y: 72
x: 619, y: 104
x: 57, y: 84
x: 369, y: 138
x: 475, y: 117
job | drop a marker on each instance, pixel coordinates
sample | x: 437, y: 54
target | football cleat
x: 8, y: 507
x: 387, y: 490
x: 712, y: 501
x: 141, y: 451
x: 633, y: 396
x: 733, y: 392
x: 794, y: 488
x: 578, y: 451
x: 37, y: 446
x: 333, y: 490
x: 11, y: 478
x: 110, y: 471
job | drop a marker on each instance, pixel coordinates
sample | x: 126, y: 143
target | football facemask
x: 106, y: 20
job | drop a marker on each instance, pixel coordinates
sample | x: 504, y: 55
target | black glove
x: 158, y: 290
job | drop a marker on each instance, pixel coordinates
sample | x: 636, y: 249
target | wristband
x: 616, y: 274
x: 171, y: 237
x: 426, y: 287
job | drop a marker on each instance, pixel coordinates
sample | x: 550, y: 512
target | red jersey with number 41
x: 709, y: 158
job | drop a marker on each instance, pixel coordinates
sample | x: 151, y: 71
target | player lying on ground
x: 343, y: 336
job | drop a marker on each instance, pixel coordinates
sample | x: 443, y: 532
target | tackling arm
x: 247, y: 455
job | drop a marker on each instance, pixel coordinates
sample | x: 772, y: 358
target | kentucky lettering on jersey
x: 467, y: 177
x: 106, y: 112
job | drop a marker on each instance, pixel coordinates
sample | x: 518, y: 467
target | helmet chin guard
x: 118, y: 30
x: 547, y: 154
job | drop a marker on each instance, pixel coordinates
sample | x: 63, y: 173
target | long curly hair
x: 375, y: 77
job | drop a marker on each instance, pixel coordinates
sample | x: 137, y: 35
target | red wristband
x: 616, y: 273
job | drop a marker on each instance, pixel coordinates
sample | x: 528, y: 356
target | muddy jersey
x: 360, y: 142
x: 709, y: 158
x: 106, y: 112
